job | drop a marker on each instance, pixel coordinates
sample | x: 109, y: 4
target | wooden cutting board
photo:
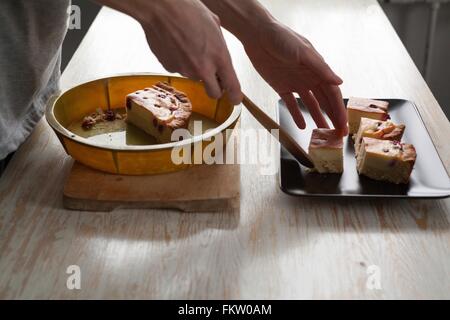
x: 201, y: 188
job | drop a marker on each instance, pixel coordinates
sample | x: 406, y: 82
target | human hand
x: 290, y: 64
x: 186, y: 38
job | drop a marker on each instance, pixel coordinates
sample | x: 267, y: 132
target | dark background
x: 410, y: 18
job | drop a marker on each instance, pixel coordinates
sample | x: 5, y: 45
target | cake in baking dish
x: 377, y: 129
x: 386, y: 160
x: 159, y: 110
x: 326, y: 151
x: 358, y: 108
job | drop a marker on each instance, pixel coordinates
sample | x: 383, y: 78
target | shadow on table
x: 374, y: 215
x: 364, y: 214
x: 160, y: 225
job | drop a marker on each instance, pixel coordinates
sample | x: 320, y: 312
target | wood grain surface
x: 275, y: 246
x: 201, y: 188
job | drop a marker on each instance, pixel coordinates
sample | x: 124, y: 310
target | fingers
x: 227, y: 77
x: 217, y: 82
x: 229, y: 82
x: 314, y: 108
x: 294, y: 109
x: 208, y: 77
x: 321, y: 68
x: 336, y: 102
x: 330, y: 98
x: 212, y: 85
x: 326, y: 96
x: 322, y: 99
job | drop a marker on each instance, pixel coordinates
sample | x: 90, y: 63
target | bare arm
x: 241, y: 18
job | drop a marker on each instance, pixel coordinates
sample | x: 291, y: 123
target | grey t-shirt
x: 31, y: 34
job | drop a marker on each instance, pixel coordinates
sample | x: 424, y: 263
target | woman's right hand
x: 290, y: 64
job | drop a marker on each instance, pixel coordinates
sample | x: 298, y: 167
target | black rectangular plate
x: 429, y: 178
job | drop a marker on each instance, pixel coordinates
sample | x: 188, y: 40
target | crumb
x: 88, y: 122
x: 100, y: 116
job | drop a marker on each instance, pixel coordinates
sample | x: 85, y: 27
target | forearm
x: 241, y: 17
x: 141, y: 10
x: 128, y: 7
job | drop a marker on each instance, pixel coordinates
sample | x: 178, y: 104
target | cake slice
x: 377, y: 129
x: 386, y: 160
x: 326, y: 151
x: 358, y: 108
x: 159, y: 110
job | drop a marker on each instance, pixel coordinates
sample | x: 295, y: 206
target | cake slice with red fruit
x: 358, y: 108
x: 326, y: 151
x: 159, y: 110
x: 377, y: 129
x: 386, y: 160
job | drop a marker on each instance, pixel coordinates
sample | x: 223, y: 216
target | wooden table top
x: 276, y: 246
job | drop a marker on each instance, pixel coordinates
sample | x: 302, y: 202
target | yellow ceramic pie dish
x: 131, y: 159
